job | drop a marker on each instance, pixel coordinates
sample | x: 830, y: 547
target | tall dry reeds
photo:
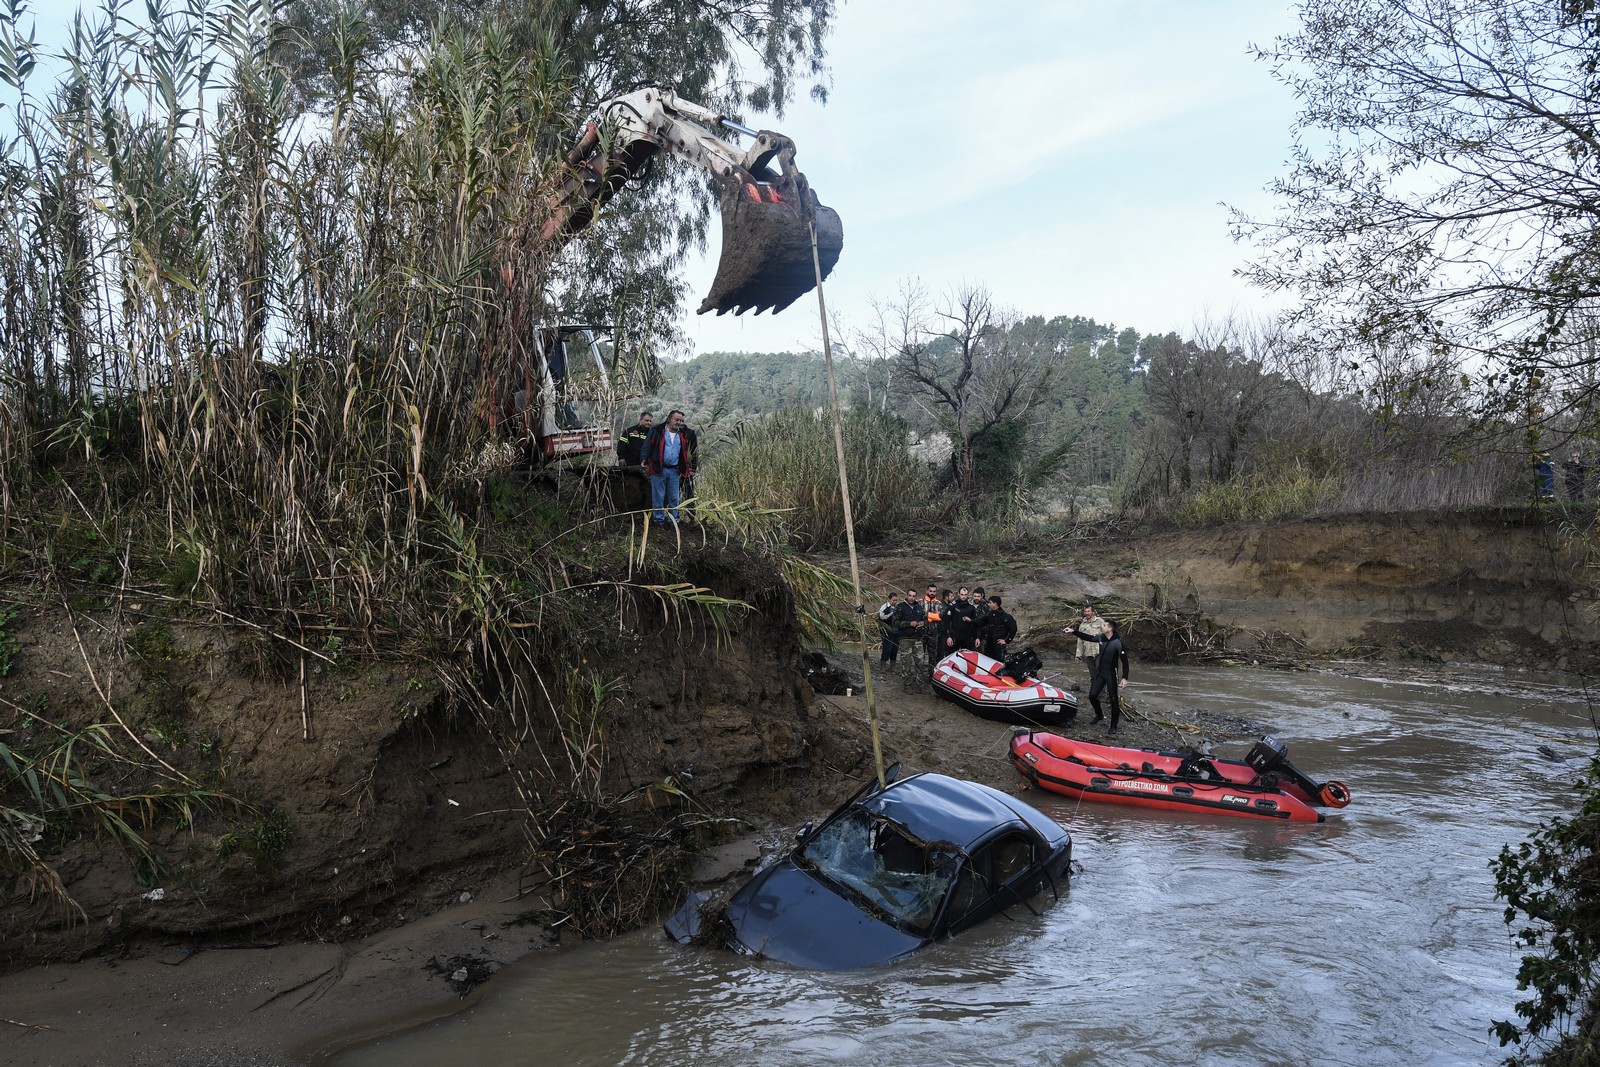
x: 279, y: 321
x: 1499, y: 479
x: 787, y: 462
x: 250, y: 352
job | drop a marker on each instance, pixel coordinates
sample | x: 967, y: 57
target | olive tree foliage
x: 1212, y: 400
x: 1444, y: 192
x: 1241, y: 398
x: 979, y: 372
x: 732, y: 54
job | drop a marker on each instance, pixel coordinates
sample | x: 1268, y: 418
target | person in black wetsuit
x: 1112, y: 653
x: 997, y: 630
x: 889, y: 620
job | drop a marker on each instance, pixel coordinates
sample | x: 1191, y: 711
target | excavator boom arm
x: 769, y: 213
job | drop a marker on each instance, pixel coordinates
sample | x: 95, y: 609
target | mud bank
x: 1500, y: 588
x: 1506, y: 589
x: 371, y: 799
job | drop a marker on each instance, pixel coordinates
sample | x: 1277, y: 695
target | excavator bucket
x: 767, y: 224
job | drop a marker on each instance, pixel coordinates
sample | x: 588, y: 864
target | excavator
x: 555, y: 384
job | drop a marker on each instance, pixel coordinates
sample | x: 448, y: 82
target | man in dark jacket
x: 960, y: 626
x: 980, y: 609
x: 669, y: 455
x: 1575, y: 475
x: 889, y: 618
x: 630, y: 446
x: 998, y: 630
x: 911, y: 616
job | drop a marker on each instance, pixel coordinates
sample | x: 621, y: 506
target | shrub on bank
x: 787, y: 461
x: 1551, y: 886
x: 1294, y: 495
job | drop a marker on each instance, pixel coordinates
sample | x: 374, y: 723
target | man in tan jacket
x: 1088, y: 629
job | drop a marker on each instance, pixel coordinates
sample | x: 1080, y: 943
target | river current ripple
x: 1371, y: 938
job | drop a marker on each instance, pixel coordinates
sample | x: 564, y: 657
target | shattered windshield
x: 898, y: 876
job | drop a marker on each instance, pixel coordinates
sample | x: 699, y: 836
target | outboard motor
x: 1267, y: 755
x: 1023, y: 664
x: 1269, y: 758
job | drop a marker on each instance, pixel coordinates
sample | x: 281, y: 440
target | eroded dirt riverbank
x: 158, y: 1001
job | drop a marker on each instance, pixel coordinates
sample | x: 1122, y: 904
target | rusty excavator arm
x: 768, y: 209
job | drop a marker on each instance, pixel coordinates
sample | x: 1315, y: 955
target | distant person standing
x: 669, y: 456
x: 961, y: 626
x: 947, y: 613
x: 980, y: 609
x: 686, y: 489
x: 890, y: 617
x: 999, y: 629
x: 1544, y: 474
x: 1576, y: 475
x: 1112, y: 655
x: 911, y: 617
x: 630, y: 446
x: 932, y: 624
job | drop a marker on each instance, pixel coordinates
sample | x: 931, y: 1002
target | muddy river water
x: 1372, y: 938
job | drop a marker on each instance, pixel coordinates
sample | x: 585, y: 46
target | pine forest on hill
x: 1021, y: 423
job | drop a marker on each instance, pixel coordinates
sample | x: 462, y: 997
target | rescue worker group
x: 942, y: 622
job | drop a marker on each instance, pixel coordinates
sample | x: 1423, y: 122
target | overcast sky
x: 1072, y: 156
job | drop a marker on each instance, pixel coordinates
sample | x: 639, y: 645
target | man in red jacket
x: 669, y: 456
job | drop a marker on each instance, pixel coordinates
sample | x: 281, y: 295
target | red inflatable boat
x: 1003, y: 692
x: 1264, y: 785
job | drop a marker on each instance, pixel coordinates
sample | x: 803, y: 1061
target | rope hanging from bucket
x: 849, y: 518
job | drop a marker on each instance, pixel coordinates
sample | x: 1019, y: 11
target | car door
x: 1003, y: 871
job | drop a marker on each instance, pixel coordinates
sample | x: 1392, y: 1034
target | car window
x: 894, y: 873
x: 1013, y: 855
x: 970, y: 893
x: 991, y: 867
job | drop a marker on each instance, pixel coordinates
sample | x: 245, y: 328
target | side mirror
x: 803, y: 833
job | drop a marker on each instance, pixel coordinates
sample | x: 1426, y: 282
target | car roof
x: 934, y: 807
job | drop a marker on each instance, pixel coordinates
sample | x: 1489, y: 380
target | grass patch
x: 787, y: 462
x: 1259, y: 499
x: 265, y: 839
x: 9, y: 646
x: 57, y: 782
x: 152, y: 642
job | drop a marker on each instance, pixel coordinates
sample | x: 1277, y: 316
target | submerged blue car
x: 895, y: 869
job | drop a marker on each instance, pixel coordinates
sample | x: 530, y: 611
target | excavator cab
x: 561, y: 398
